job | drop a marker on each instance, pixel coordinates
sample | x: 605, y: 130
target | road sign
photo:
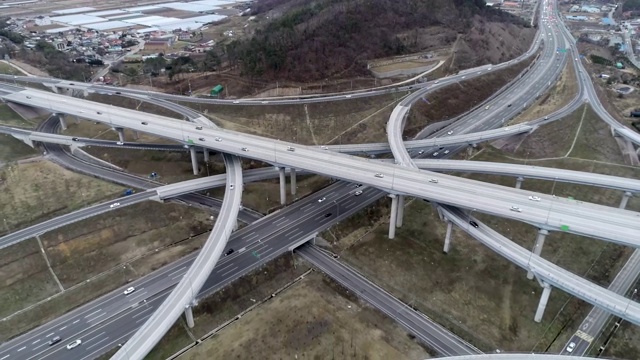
x: 564, y: 227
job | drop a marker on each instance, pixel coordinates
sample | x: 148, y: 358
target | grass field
x: 92, y: 257
x: 11, y: 118
x: 314, y: 319
x: 311, y: 124
x: 134, y: 104
x: 12, y: 149
x: 34, y: 192
x: 8, y: 69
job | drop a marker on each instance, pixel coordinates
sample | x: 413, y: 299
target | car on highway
x: 74, y: 344
x: 473, y: 223
x: 245, y: 149
x: 231, y: 186
x: 420, y: 152
x: 198, y: 127
x: 324, y: 147
x: 28, y: 97
x: 75, y: 139
x: 534, y: 198
x: 347, y: 96
x: 450, y: 132
x: 436, y: 153
x: 55, y: 340
x: 98, y: 112
x: 437, y: 81
x: 322, y: 199
x: 129, y: 290
x: 463, y: 77
x: 435, y: 181
x: 378, y: 175
x: 265, y: 102
x: 114, y: 205
x: 327, y: 215
x: 145, y: 123
x: 229, y: 252
x: 291, y: 148
x: 118, y: 93
x: 571, y: 346
x: 218, y: 139
x: 236, y: 102
x: 516, y: 209
x: 487, y: 107
x: 358, y: 193
x: 446, y: 152
x: 509, y: 105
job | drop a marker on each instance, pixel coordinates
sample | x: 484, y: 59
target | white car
x: 358, y: 193
x: 129, y: 290
x: 435, y: 181
x: 245, y: 149
x: 218, y: 139
x: 420, y: 152
x: 347, y: 96
x: 321, y: 200
x: 236, y: 102
x: 378, y: 175
x: 446, y: 152
x: 114, y: 205
x: 74, y: 344
x: 435, y: 153
x: 516, y: 209
x: 450, y: 132
x: 291, y: 148
x: 534, y: 198
x: 571, y: 346
x: 265, y: 102
x: 120, y: 143
x: 324, y: 147
x: 231, y: 187
x: 437, y: 81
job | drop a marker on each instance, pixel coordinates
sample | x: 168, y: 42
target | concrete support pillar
x: 638, y: 151
x: 136, y: 134
x: 120, y: 132
x: 625, y: 199
x: 188, y: 313
x: 394, y: 216
x: 63, y: 123
x: 544, y: 298
x: 537, y: 249
x: 519, y: 181
x: 400, y: 211
x: 283, y: 183
x: 447, y: 238
x: 294, y: 184
x: 206, y: 155
x: 194, y: 160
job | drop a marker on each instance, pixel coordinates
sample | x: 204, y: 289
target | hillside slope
x: 309, y: 40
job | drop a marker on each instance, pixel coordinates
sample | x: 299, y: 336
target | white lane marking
x: 4, y: 357
x: 49, y: 335
x: 229, y: 272
x: 62, y: 328
x: 137, y: 296
x: 141, y: 312
x: 143, y: 319
x: 277, y: 222
x: 77, y: 321
x: 178, y: 276
x: 22, y: 348
x: 224, y: 267
x: 89, y: 347
x: 35, y: 342
x: 306, y: 206
x: 39, y: 346
x: 102, y: 314
x: 95, y: 312
x: 175, y: 272
x: 97, y: 336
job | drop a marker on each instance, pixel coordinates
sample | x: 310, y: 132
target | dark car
x: 55, y: 340
x: 75, y: 139
x: 118, y: 93
x: 327, y: 215
x: 473, y: 223
x: 229, y: 252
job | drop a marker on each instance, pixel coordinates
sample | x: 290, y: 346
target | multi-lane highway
x: 588, y: 220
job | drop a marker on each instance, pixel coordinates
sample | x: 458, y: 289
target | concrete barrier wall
x: 402, y: 72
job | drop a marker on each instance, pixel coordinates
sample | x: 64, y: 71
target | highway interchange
x: 345, y: 185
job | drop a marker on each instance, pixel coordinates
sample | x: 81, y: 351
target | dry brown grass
x: 34, y: 192
x: 311, y: 320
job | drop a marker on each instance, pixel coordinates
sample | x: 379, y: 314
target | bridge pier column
x: 613, y: 131
x: 447, y: 238
x: 625, y: 199
x: 400, y: 211
x: 537, y: 249
x: 544, y: 298
x: 188, y: 313
x: 283, y: 183
x: 136, y: 134
x: 194, y: 160
x: 638, y: 151
x: 63, y: 123
x: 294, y: 184
x: 519, y: 181
x: 120, y: 132
x: 393, y: 216
x: 206, y: 155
